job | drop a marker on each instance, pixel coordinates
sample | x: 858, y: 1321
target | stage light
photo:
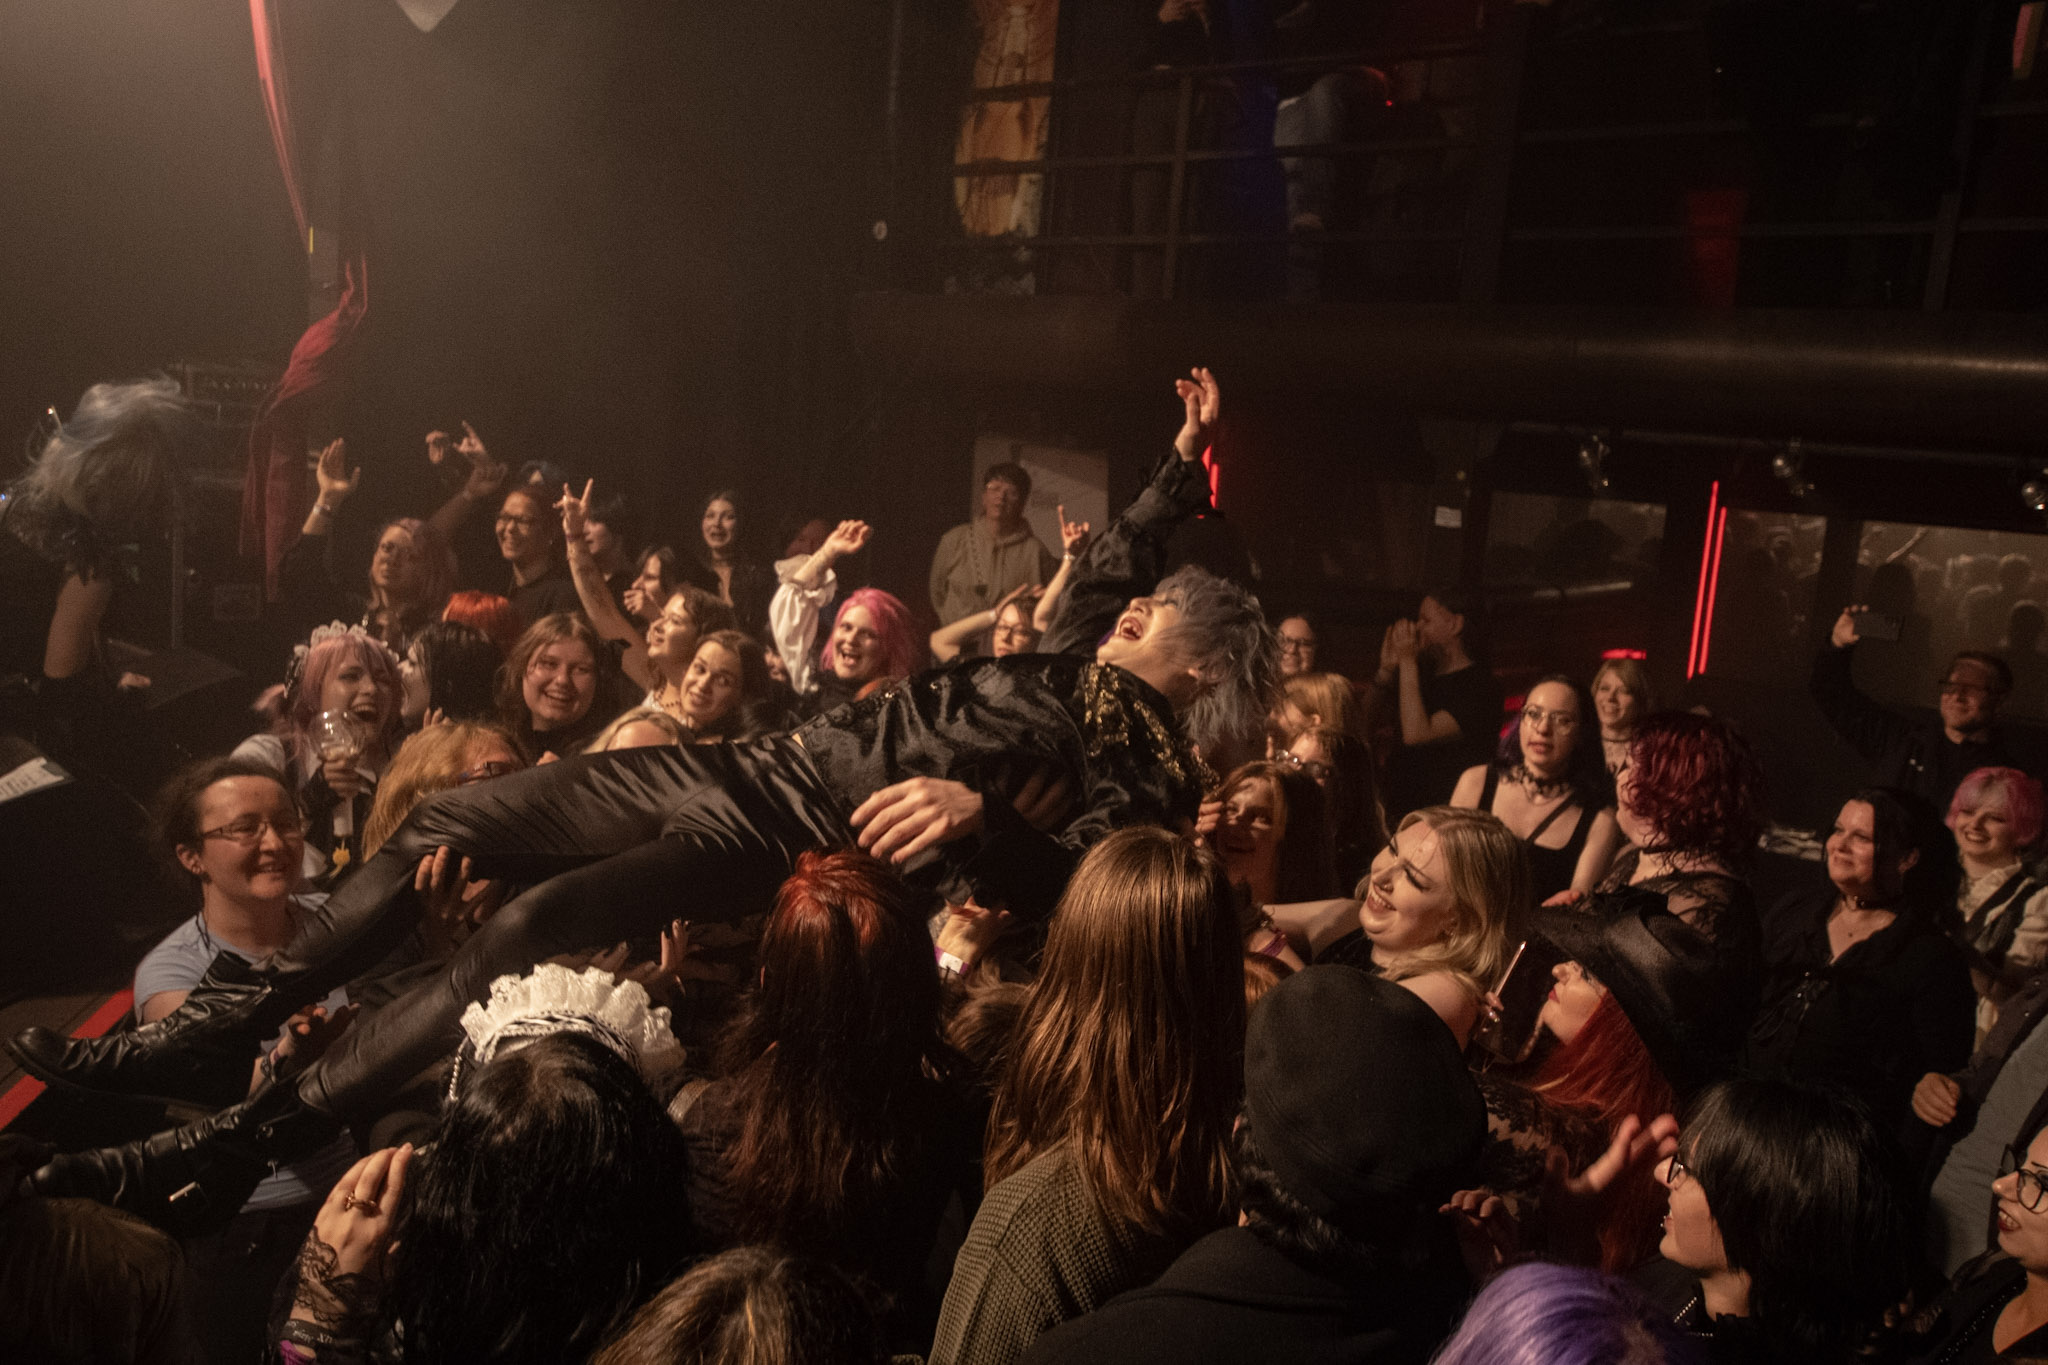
x: 1789, y: 465
x: 1593, y: 453
x: 2034, y: 492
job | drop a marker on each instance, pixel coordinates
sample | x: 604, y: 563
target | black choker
x: 1538, y: 787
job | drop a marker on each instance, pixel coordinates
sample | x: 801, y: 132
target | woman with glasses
x: 1008, y: 627
x: 1784, y: 1224
x: 1997, y: 1306
x: 230, y: 834
x: 1550, y: 790
x: 1342, y: 766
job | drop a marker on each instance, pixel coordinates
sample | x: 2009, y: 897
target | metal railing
x: 1481, y: 229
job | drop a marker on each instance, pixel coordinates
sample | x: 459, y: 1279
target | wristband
x: 323, y: 509
x: 950, y: 965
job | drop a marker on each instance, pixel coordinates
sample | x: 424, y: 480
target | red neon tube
x: 1713, y: 587
x: 1699, y: 604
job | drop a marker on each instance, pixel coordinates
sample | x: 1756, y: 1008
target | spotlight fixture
x: 1789, y: 465
x: 1593, y: 453
x: 2034, y: 492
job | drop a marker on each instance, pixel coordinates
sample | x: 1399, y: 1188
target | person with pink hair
x: 347, y: 672
x: 873, y: 637
x: 2001, y: 901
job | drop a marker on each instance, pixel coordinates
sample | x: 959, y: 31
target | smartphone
x: 1523, y: 987
x: 1876, y: 625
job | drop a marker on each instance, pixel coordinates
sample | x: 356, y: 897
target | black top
x: 1550, y: 869
x: 1968, y: 1315
x: 1913, y: 753
x: 1231, y: 1297
x: 753, y: 587
x: 1424, y: 774
x: 553, y: 591
x: 1892, y: 1008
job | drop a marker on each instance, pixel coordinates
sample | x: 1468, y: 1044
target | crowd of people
x: 682, y: 956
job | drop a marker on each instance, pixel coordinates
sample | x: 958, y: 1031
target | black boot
x: 193, y: 1179
x: 202, y: 1051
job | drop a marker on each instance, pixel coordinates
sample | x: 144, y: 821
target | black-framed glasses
x: 248, y: 831
x: 2032, y: 1186
x: 1311, y: 767
x: 1955, y: 687
x: 1676, y: 1172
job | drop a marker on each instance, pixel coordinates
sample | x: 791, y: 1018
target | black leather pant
x: 615, y: 846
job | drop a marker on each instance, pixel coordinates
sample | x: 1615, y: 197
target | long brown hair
x: 431, y: 761
x: 554, y: 629
x: 1130, y: 1052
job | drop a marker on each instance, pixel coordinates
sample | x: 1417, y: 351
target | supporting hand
x: 1935, y: 1099
x: 899, y: 822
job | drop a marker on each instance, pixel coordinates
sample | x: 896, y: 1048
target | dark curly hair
x: 1696, y: 782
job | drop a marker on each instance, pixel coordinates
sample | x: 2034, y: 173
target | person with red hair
x: 833, y: 1128
x: 488, y: 613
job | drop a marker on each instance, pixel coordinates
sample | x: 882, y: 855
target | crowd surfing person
x: 610, y: 842
x: 344, y: 673
x: 1550, y: 790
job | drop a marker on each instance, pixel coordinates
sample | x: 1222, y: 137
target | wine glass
x: 337, y: 735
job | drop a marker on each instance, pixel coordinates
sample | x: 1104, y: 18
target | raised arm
x: 807, y: 587
x: 1128, y: 559
x: 1074, y: 537
x: 947, y: 642
x: 595, y: 594
x: 486, y: 478
x: 1869, y: 728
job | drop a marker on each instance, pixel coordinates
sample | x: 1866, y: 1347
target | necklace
x: 1538, y: 788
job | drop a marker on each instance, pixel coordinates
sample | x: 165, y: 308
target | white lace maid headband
x: 554, y: 999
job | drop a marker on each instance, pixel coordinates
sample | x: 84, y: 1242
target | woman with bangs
x: 2001, y: 902
x: 1267, y: 823
x: 873, y: 638
x: 412, y: 569
x: 1108, y: 1146
x: 834, y: 1128
x: 346, y: 671
x: 1433, y: 912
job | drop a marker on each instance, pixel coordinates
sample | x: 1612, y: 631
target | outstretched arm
x: 1869, y: 728
x: 1128, y: 559
x: 1074, y: 537
x: 486, y: 478
x: 806, y: 589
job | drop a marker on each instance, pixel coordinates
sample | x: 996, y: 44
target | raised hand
x: 970, y: 931
x: 1487, y: 1230
x: 1202, y: 408
x: 1404, y: 641
x: 1845, y: 632
x: 575, y: 512
x: 1074, y: 535
x: 899, y: 822
x: 846, y: 538
x: 332, y: 473
x: 486, y: 475
x: 341, y: 1264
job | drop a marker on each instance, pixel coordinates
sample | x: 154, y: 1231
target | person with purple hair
x: 1538, y: 1313
x: 930, y: 773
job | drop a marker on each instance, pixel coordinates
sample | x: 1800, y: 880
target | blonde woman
x: 1621, y: 699
x: 1433, y: 911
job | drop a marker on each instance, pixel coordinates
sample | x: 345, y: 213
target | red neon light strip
x: 24, y: 1091
x: 1699, y: 604
x: 1713, y: 587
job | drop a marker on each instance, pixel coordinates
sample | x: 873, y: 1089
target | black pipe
x: 1950, y: 381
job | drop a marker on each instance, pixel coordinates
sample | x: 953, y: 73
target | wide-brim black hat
x: 1690, y: 995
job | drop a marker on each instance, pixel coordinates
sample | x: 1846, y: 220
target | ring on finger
x: 369, y: 1206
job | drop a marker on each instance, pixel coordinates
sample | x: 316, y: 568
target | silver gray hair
x: 117, y: 461
x: 1222, y: 632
